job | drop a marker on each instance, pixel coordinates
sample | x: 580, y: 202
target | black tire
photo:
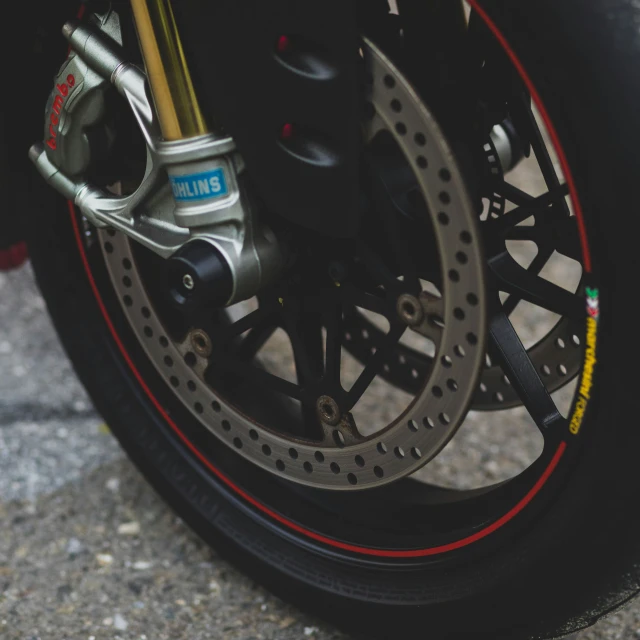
x: 571, y: 555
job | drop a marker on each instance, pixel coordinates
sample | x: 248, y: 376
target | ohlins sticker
x: 60, y: 96
x: 200, y: 186
x: 590, y: 360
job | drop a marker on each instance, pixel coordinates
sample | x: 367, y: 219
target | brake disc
x: 345, y: 460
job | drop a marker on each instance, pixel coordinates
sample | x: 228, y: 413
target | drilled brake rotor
x: 456, y: 323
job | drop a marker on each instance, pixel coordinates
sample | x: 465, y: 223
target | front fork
x: 203, y: 220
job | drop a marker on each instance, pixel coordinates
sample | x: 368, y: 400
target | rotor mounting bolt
x: 410, y: 310
x: 187, y: 281
x: 328, y: 410
x: 201, y: 343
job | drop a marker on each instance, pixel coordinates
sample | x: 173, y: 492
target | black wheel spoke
x: 256, y: 338
x: 250, y: 321
x: 529, y: 208
x: 369, y: 301
x: 514, y: 279
x: 507, y: 350
x: 536, y: 266
x: 260, y: 377
x: 374, y: 365
x: 335, y: 328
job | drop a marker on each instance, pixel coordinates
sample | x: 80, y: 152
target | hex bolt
x: 328, y: 410
x: 410, y: 309
x: 201, y: 343
x: 188, y: 282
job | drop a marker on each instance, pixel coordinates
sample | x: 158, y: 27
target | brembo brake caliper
x: 191, y: 206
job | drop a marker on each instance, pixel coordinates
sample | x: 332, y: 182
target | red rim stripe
x: 293, y: 525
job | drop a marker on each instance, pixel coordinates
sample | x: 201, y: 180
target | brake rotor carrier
x: 345, y: 460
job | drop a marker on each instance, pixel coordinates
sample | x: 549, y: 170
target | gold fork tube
x: 173, y: 92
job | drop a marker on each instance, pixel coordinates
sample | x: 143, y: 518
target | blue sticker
x: 200, y: 186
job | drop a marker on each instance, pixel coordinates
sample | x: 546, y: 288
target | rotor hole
x: 454, y: 276
x: 266, y: 449
x: 416, y: 453
x: 560, y: 343
x: 386, y: 368
x: 415, y: 374
x: 126, y: 263
x: 190, y: 359
x: 462, y: 257
x: 293, y: 454
x: 148, y: 331
x: 446, y: 362
x: 399, y: 451
x: 253, y: 434
x: 226, y: 425
x: 562, y: 370
x: 168, y: 360
x: 335, y: 467
x: 452, y: 384
x: 483, y: 387
x: 498, y: 397
x: 444, y: 197
x: 365, y: 334
x: 401, y: 128
x: 389, y: 82
x: 359, y: 461
x: 444, y: 419
x: 437, y: 392
x: 472, y: 339
x: 428, y: 423
x: 445, y: 175
x: 128, y: 301
x: 506, y: 381
x: 338, y: 438
x: 487, y: 361
x: 163, y: 342
x: 459, y: 351
x: 443, y: 218
x: 396, y: 105
x: 402, y: 359
x: 126, y: 281
x: 279, y: 465
x: 379, y: 473
x: 145, y: 312
x: 351, y: 477
x: 108, y: 247
x: 546, y: 371
x: 420, y: 139
x: 308, y: 467
x: 347, y: 337
x: 319, y: 456
x: 472, y: 299
x: 199, y: 408
x: 422, y: 162
x: 459, y: 313
x: 191, y: 385
x: 174, y: 381
x: 413, y: 425
x: 382, y: 448
x: 216, y: 406
x: 465, y: 237
x: 575, y: 340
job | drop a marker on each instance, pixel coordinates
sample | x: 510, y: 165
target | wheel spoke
x: 507, y: 350
x: 536, y: 266
x: 260, y: 377
x: 256, y: 338
x: 371, y: 302
x: 335, y: 329
x: 529, y: 208
x: 514, y: 279
x: 383, y: 349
